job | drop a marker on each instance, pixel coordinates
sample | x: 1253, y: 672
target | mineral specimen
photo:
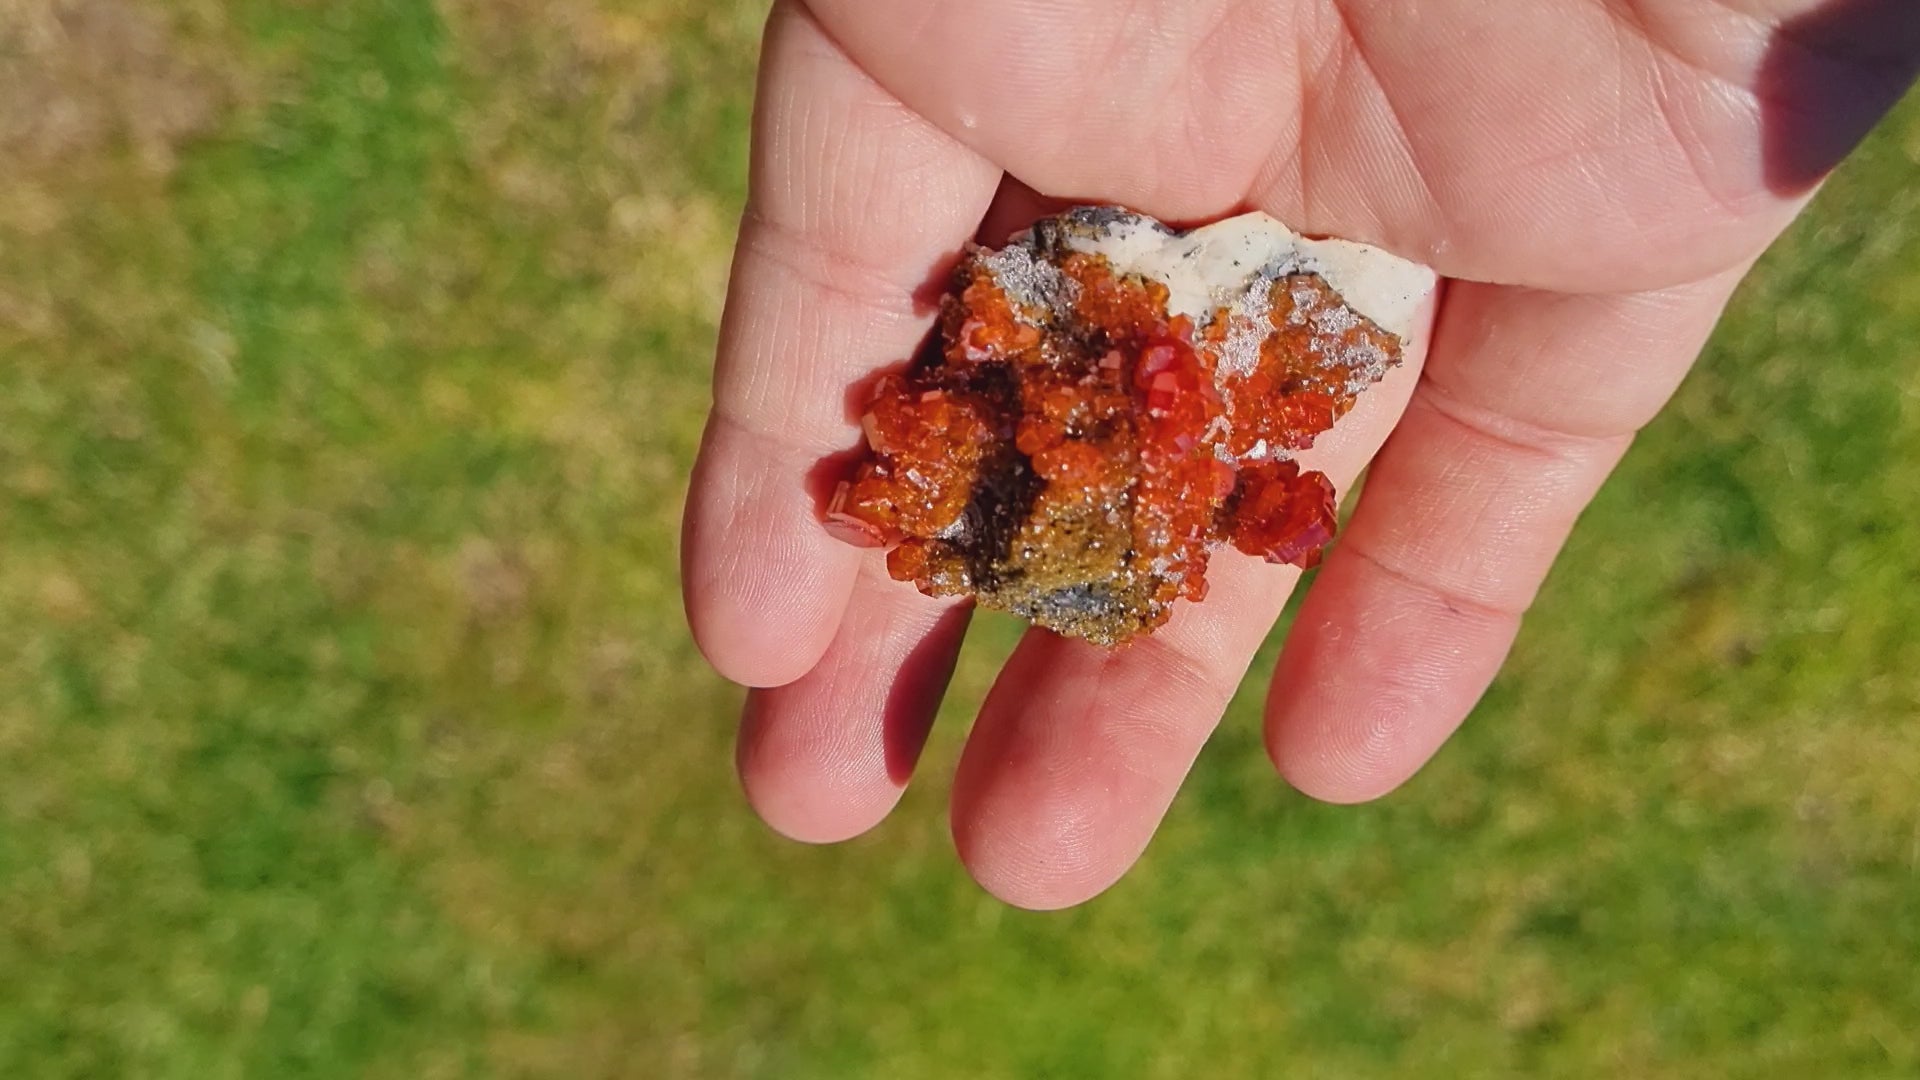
x: 1111, y: 400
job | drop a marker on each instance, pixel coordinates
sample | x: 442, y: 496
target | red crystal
x: 1284, y: 515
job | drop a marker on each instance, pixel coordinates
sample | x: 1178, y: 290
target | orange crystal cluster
x: 1074, y: 453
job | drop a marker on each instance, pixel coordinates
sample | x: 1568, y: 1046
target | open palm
x: 1592, y: 177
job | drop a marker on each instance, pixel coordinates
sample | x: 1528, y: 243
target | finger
x: 1168, y: 107
x: 1334, y: 118
x: 826, y: 758
x: 856, y: 205
x: 1078, y: 750
x: 1528, y: 402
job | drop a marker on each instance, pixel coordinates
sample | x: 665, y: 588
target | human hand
x: 1593, y: 178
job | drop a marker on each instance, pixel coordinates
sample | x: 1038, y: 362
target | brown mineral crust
x: 1073, y: 455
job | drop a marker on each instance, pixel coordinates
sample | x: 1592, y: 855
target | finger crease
x: 856, y: 281
x: 1521, y: 436
x: 779, y: 439
x: 1452, y: 601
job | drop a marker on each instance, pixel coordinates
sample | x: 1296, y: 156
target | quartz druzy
x: 1111, y: 400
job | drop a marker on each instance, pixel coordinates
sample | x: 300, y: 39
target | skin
x: 1591, y: 177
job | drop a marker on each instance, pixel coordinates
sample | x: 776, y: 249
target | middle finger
x: 1078, y: 750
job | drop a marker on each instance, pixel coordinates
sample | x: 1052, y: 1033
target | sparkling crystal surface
x: 1084, y: 438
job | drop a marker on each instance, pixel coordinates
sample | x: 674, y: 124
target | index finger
x: 855, y: 204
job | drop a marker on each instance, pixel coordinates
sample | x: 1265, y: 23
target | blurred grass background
x: 351, y: 357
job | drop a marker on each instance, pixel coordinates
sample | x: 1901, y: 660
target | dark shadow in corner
x: 1827, y: 78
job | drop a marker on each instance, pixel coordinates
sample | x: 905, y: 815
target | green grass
x: 349, y: 371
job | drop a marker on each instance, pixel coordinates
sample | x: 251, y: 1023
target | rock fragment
x: 1113, y: 399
